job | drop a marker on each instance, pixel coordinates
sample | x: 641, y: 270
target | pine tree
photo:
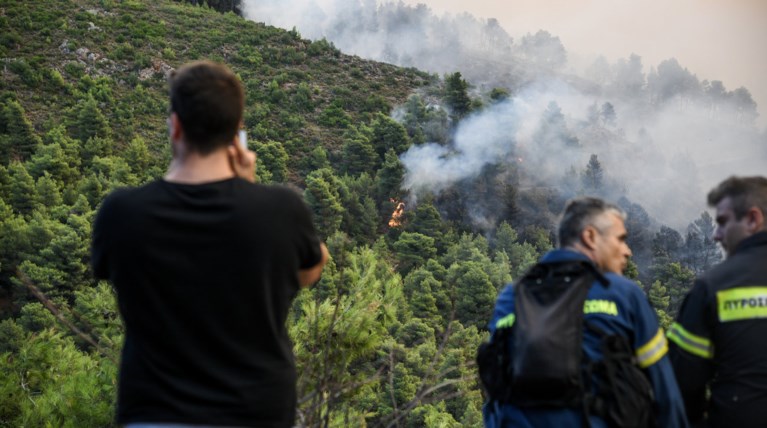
x: 322, y: 196
x: 426, y: 220
x: 337, y: 338
x: 474, y: 293
x: 71, y: 147
x: 700, y: 249
x: 593, y: 176
x: 413, y: 249
x: 20, y: 141
x: 96, y: 146
x: 68, y: 253
x: 608, y: 114
x: 5, y: 183
x: 316, y: 159
x: 51, y: 159
x: 137, y: 155
x: 48, y: 191
x: 23, y: 195
x: 505, y: 238
x: 677, y: 279
x: 56, y: 383
x: 553, y: 133
x: 522, y: 257
x: 457, y: 95
x: 389, y: 178
x: 388, y: 134
x: 358, y: 155
x: 360, y: 218
x: 274, y: 159
x: 420, y: 289
x: 659, y: 299
x: 234, y: 6
x: 90, y: 121
x: 415, y: 117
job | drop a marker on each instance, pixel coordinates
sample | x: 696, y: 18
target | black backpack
x: 547, y: 368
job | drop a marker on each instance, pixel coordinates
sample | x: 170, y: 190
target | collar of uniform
x: 756, y: 240
x: 562, y: 255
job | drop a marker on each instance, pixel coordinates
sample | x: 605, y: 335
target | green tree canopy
x: 388, y: 134
x: 322, y: 196
x: 457, y: 95
x: 90, y: 121
x: 17, y: 135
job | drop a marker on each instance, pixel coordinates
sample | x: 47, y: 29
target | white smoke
x: 388, y: 31
x: 480, y: 140
x: 662, y: 155
x: 665, y: 160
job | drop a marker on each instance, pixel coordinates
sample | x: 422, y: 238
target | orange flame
x: 396, y: 216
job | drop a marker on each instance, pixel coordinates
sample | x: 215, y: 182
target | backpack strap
x: 598, y: 275
x: 624, y: 397
x: 494, y: 365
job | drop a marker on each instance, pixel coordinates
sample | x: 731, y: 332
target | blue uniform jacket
x: 622, y: 308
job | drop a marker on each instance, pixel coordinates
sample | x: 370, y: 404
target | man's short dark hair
x: 582, y: 212
x: 744, y: 192
x: 208, y: 99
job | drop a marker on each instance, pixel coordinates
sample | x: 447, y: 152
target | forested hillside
x: 388, y: 336
x: 663, y: 134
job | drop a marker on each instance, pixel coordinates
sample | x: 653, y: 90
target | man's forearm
x: 307, y: 277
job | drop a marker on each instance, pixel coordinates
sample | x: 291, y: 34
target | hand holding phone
x: 242, y: 160
x: 242, y: 137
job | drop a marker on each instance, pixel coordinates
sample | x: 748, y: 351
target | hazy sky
x: 715, y: 39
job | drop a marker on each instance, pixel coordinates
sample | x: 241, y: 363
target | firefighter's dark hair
x: 744, y: 192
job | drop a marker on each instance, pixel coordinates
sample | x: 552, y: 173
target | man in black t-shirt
x: 206, y: 264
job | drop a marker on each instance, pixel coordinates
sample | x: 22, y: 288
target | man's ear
x: 174, y: 127
x: 755, y: 220
x: 589, y: 237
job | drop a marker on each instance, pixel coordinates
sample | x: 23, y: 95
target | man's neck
x: 580, y: 248
x: 193, y: 168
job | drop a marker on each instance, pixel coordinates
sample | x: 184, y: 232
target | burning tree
x: 396, y: 216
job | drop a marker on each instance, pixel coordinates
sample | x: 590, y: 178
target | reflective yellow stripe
x: 653, y: 350
x: 600, y: 307
x: 505, y: 322
x: 742, y: 303
x: 607, y: 307
x: 691, y: 343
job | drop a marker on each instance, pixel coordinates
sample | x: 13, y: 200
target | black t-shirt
x: 205, y: 275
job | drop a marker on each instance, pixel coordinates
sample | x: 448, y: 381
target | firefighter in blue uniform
x: 718, y: 339
x: 592, y: 230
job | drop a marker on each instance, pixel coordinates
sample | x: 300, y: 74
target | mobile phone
x: 243, y: 137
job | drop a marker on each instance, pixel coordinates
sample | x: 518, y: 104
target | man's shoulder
x: 749, y: 260
x: 749, y: 254
x: 726, y: 273
x: 272, y: 191
x: 504, y: 304
x: 125, y: 197
x: 507, y: 292
x: 283, y: 202
x: 622, y: 283
x: 717, y: 273
x: 135, y: 191
x: 284, y: 191
x: 121, y: 205
x: 623, y: 289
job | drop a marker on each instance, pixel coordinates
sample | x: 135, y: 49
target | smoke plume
x: 662, y: 136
